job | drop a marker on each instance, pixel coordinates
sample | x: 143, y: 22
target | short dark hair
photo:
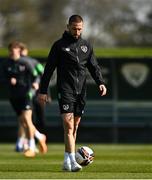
x: 75, y: 18
x: 14, y: 44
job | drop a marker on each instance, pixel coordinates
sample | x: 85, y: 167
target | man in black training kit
x: 72, y: 56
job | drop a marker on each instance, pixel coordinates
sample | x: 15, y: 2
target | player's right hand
x: 13, y: 81
x: 43, y: 98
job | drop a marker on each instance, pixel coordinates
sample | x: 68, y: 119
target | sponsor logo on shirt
x: 66, y: 49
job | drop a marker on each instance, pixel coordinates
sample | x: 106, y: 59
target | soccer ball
x: 84, y: 156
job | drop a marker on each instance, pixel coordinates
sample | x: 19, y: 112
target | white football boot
x: 75, y: 166
x: 66, y: 166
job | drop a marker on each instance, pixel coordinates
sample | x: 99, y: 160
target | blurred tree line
x: 108, y: 23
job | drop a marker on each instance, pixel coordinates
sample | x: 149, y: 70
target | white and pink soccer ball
x: 84, y: 156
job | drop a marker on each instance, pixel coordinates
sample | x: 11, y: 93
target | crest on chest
x: 84, y: 48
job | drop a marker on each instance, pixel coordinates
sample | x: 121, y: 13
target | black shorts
x: 71, y: 103
x: 21, y: 104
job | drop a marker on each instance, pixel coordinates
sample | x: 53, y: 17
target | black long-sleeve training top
x: 72, y: 57
x: 23, y: 73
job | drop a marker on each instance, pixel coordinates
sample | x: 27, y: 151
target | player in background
x: 20, y: 79
x: 38, y: 69
x: 72, y: 56
x: 38, y: 110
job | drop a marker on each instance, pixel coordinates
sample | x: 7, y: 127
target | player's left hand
x: 103, y: 89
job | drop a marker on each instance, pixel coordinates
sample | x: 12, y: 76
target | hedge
x: 99, y: 52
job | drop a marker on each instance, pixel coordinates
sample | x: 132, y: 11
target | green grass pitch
x: 111, y: 162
